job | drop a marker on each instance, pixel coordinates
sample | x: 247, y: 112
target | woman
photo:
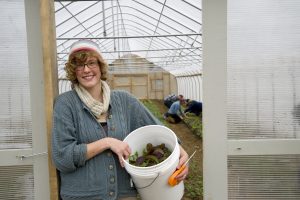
x: 89, y: 124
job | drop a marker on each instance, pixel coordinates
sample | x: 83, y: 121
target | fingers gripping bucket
x: 152, y: 182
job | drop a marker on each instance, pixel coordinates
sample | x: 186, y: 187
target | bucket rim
x: 153, y: 166
x: 159, y: 164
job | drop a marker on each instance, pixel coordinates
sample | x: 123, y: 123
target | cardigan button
x: 112, y: 180
x: 111, y: 193
x: 110, y: 167
x: 109, y: 154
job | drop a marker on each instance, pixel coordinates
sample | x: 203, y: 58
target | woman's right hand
x: 120, y: 148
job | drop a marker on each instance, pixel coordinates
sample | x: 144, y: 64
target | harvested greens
x: 152, y: 155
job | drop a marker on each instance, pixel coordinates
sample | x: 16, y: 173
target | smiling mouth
x: 88, y: 77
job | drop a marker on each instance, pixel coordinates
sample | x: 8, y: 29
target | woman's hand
x: 120, y: 148
x: 182, y: 159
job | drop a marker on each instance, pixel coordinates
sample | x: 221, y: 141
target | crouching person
x: 175, y: 113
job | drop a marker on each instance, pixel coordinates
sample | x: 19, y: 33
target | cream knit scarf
x: 95, y: 106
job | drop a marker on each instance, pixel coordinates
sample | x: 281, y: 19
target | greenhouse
x: 240, y: 59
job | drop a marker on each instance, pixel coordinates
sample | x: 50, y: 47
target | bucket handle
x: 148, y: 184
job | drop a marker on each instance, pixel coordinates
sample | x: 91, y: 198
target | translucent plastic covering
x: 163, y: 35
x: 15, y: 102
x: 263, y: 70
x: 263, y: 99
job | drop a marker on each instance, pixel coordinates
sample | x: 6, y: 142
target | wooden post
x: 51, y: 80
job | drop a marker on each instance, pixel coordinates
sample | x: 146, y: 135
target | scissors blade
x: 190, y: 158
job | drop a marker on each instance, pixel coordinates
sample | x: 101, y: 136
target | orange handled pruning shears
x: 172, y: 180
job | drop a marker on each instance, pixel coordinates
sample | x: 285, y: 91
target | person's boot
x: 171, y: 120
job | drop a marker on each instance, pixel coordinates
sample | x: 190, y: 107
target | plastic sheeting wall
x: 190, y: 86
x: 251, y: 95
x: 263, y: 99
x: 15, y: 119
x: 23, y: 146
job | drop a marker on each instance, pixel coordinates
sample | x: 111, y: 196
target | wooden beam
x: 51, y: 80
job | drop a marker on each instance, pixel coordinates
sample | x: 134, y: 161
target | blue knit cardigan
x: 74, y: 126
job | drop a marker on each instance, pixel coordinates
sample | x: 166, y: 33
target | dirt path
x: 190, y: 143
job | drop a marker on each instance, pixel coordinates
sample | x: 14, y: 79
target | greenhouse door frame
x: 214, y: 97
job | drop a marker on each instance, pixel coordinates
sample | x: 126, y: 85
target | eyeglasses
x: 90, y: 64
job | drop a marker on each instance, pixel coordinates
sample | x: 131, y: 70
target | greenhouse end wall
x: 154, y: 85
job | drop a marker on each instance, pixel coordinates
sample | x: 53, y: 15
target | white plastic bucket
x: 152, y: 182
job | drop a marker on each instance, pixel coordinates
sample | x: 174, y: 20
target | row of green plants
x: 154, y: 110
x: 194, y: 122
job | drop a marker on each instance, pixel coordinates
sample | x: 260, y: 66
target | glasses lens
x: 79, y: 67
x: 92, y: 64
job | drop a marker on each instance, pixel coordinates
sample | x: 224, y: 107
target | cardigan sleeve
x: 67, y: 154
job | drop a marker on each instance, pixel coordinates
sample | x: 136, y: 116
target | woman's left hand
x: 182, y: 159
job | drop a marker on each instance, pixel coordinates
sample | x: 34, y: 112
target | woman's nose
x: 86, y: 67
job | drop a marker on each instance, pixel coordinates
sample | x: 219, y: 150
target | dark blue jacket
x: 194, y: 107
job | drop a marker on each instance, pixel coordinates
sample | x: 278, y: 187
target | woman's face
x: 89, y: 74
